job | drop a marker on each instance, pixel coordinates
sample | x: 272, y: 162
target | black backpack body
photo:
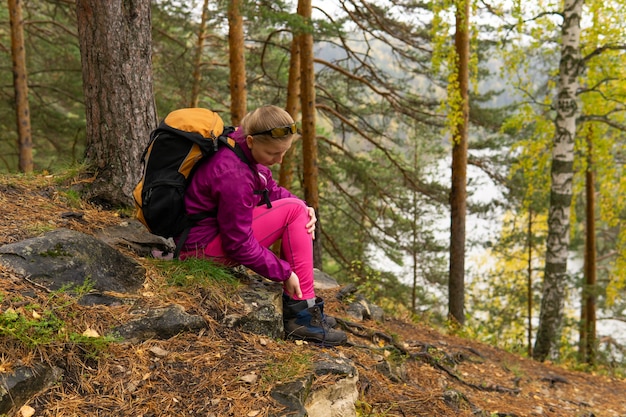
x: 176, y: 146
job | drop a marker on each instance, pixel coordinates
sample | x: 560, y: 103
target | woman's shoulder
x: 225, y: 161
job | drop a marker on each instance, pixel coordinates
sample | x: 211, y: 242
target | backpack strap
x: 234, y: 146
x: 195, y: 218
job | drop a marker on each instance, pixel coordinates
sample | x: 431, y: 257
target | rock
x: 133, y: 235
x: 262, y: 306
x: 292, y: 395
x: 23, y: 383
x: 323, y: 281
x: 362, y: 309
x: 160, y: 323
x: 331, y: 400
x: 65, y: 257
x: 338, y: 399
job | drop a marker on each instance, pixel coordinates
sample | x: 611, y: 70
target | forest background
x: 384, y: 134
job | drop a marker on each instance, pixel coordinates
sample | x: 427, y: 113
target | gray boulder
x: 65, y: 257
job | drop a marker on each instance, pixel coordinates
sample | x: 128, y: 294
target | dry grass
x: 221, y: 372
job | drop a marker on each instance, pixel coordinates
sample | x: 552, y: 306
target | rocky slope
x: 404, y: 368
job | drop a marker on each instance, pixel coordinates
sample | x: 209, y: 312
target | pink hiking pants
x: 286, y: 220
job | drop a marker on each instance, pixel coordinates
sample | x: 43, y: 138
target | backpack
x: 176, y: 146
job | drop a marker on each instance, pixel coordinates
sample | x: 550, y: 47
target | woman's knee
x: 296, y: 201
x: 295, y: 206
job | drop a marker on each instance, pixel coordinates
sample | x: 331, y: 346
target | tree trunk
x: 285, y: 178
x: 458, y: 193
x: 588, y: 319
x: 115, y: 45
x: 238, y: 94
x: 529, y: 283
x: 20, y: 84
x: 309, y: 140
x: 414, y: 238
x: 562, y: 173
x: 197, y: 60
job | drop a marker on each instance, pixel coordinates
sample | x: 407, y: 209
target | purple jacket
x: 227, y: 184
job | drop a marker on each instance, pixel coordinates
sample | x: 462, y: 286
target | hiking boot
x: 308, y: 323
x: 330, y: 320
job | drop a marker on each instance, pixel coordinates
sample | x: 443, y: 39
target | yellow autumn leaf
x: 27, y: 411
x: 91, y: 333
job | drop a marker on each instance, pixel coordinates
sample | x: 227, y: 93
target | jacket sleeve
x: 234, y: 193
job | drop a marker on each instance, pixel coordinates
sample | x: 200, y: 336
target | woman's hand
x: 292, y: 286
x: 310, y: 226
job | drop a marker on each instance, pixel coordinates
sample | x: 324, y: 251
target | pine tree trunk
x: 458, y: 193
x: 238, y: 93
x: 562, y: 173
x: 529, y: 282
x: 197, y: 60
x: 293, y: 108
x: 588, y: 316
x: 20, y: 84
x: 115, y: 45
x: 309, y: 141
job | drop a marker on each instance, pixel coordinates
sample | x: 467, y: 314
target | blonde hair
x: 266, y: 118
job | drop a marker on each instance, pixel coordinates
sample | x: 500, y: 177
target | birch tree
x: 537, y: 66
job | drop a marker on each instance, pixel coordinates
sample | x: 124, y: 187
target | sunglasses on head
x: 278, y: 132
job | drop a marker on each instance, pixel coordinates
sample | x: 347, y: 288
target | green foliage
x: 194, y: 272
x: 498, y: 296
x: 34, y: 325
x: 532, y: 66
x: 286, y: 369
x: 55, y: 89
x: 72, y: 197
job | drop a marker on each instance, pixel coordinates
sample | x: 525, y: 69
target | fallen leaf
x: 159, y: 352
x: 91, y: 333
x: 27, y: 411
x: 250, y: 378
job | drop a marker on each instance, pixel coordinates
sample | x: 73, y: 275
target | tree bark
x: 562, y: 173
x: 529, y: 282
x: 588, y: 317
x: 238, y: 93
x: 197, y: 60
x: 458, y: 192
x: 115, y: 45
x: 309, y: 140
x: 286, y: 175
x: 20, y: 84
